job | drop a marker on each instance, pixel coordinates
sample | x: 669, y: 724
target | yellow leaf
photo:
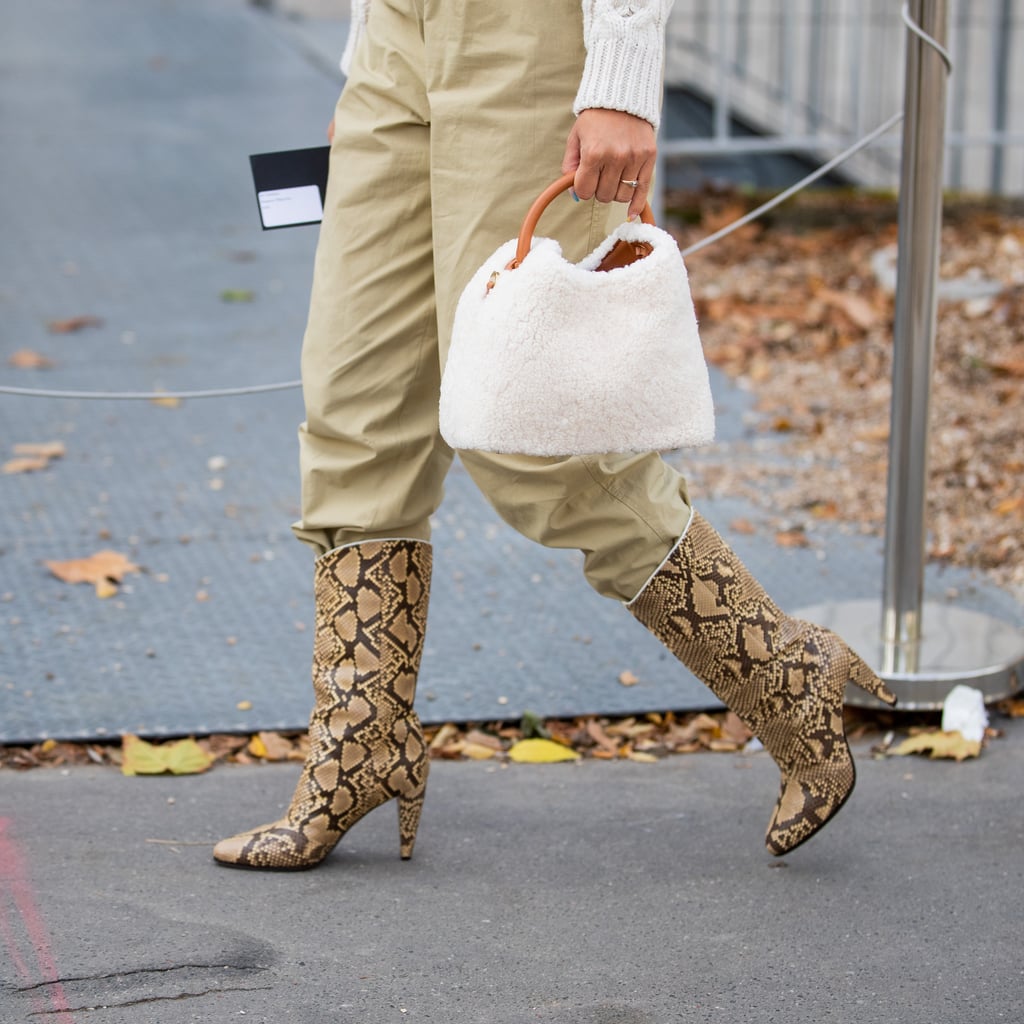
x: 104, y: 588
x: 941, y: 744
x: 639, y: 755
x: 244, y: 705
x: 183, y: 757
x: 186, y: 757
x: 540, y: 752
x: 170, y: 402
x: 140, y: 757
x: 271, y: 746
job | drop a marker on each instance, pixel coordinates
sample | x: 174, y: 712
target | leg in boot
x: 366, y: 743
x: 784, y: 678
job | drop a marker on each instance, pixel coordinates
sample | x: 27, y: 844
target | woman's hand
x: 606, y: 149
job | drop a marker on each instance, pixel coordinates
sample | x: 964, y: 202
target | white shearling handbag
x: 553, y: 358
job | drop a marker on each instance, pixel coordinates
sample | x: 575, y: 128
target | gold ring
x: 631, y: 184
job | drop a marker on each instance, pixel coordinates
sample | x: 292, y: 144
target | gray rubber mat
x: 139, y: 211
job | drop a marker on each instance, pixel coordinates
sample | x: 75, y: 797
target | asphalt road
x: 598, y: 893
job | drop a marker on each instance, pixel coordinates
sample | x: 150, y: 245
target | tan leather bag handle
x: 540, y: 204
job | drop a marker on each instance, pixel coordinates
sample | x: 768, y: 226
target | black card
x: 290, y: 186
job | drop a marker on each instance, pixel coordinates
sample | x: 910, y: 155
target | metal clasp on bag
x: 493, y: 280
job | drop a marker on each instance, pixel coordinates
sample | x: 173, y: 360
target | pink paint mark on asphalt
x: 16, y: 889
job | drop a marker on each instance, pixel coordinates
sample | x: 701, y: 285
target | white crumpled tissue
x: 964, y: 711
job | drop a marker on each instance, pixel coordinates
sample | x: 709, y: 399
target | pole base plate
x: 958, y: 646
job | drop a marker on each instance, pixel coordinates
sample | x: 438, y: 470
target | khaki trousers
x: 453, y: 119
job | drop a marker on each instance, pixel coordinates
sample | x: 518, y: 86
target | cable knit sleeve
x: 356, y: 28
x: 625, y: 41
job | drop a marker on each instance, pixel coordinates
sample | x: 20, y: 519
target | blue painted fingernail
x: 575, y: 198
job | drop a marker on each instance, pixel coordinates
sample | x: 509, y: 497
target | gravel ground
x: 799, y: 309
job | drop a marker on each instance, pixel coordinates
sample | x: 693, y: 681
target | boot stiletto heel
x: 409, y: 810
x: 862, y: 675
x: 783, y: 677
x: 366, y: 743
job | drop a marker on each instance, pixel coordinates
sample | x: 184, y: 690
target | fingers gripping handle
x: 540, y: 204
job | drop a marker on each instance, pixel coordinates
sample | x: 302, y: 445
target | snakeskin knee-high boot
x: 783, y: 677
x: 366, y: 742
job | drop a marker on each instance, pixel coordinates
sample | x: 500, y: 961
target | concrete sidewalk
x: 601, y: 893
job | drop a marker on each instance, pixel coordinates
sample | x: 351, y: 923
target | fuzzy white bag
x: 553, y: 358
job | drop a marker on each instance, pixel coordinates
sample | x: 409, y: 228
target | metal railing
x: 811, y: 76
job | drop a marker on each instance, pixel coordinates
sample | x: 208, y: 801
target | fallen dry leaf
x: 601, y: 738
x: 1008, y: 367
x: 27, y: 464
x: 939, y: 744
x: 1008, y: 505
x: 478, y: 751
x: 27, y: 359
x: 1013, y: 706
x: 541, y: 752
x: 876, y: 433
x: 792, y: 539
x: 825, y: 510
x: 627, y: 678
x: 856, y: 308
x: 32, y: 457
x: 103, y: 567
x: 183, y: 757
x: 479, y: 738
x: 444, y: 736
x: 166, y: 402
x: 270, y: 746
x: 642, y: 757
x: 42, y: 449
x: 744, y: 526
x: 72, y: 324
x: 221, y: 745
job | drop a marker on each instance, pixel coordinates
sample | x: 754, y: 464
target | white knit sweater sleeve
x: 625, y: 42
x: 356, y: 28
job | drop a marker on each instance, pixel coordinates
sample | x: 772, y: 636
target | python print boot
x: 366, y: 742
x: 783, y: 677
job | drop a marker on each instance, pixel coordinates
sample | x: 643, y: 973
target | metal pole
x: 920, y: 222
x: 959, y: 646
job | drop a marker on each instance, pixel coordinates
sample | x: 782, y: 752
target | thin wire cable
x: 793, y: 189
x: 148, y: 396
x: 927, y: 39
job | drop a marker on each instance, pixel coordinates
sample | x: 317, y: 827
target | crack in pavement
x: 136, y: 971
x: 155, y: 999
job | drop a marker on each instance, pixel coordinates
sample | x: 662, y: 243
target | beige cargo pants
x: 453, y: 119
